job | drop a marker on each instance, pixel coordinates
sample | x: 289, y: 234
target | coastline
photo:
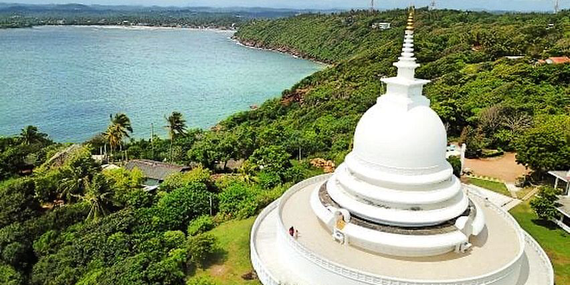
x: 99, y: 26
x: 148, y: 28
x: 283, y: 50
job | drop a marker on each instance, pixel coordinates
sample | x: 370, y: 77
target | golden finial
x: 410, y: 26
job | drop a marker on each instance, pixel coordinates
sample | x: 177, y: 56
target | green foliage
x: 139, y: 198
x: 474, y: 139
x: 21, y: 154
x: 179, y: 180
x: 268, y: 179
x: 546, y: 146
x: 271, y: 158
x: 545, y: 203
x: 238, y: 200
x: 493, y: 100
x: 99, y: 196
x: 455, y: 164
x: 200, y: 225
x: 17, y: 202
x: 201, y: 248
x: 123, y: 182
x: 9, y: 276
x: 178, y: 207
x: 76, y: 14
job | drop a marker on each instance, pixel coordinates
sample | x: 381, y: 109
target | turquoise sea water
x: 67, y: 80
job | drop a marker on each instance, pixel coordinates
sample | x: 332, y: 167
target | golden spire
x: 410, y: 26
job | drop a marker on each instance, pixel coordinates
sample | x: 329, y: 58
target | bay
x: 67, y: 80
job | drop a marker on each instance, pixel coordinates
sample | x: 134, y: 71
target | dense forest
x: 20, y: 15
x: 66, y: 220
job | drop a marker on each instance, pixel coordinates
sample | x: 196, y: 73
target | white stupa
x: 393, y: 212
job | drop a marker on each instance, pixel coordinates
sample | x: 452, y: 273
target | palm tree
x: 176, y: 127
x: 119, y: 128
x: 99, y: 196
x: 73, y: 182
x: 31, y: 135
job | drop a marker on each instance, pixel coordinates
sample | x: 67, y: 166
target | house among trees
x: 381, y: 26
x: 155, y: 171
x: 555, y: 60
x: 564, y: 200
x: 561, y: 176
x: 564, y: 209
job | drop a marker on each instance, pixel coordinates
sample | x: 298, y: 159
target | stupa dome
x: 395, y: 139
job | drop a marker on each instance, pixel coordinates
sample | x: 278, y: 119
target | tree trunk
x: 171, y: 142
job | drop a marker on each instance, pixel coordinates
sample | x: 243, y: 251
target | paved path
x: 266, y: 243
x: 530, y: 194
x: 500, y: 200
x: 513, y: 189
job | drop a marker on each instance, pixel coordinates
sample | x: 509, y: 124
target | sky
x: 519, y: 5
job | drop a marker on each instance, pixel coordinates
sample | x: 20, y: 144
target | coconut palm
x: 71, y: 184
x: 31, y: 135
x: 119, y: 129
x: 99, y: 196
x: 176, y: 127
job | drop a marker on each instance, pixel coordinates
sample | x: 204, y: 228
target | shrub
x: 46, y: 243
x: 124, y: 182
x: 174, y: 239
x: 201, y: 248
x: 200, y: 225
x: 238, y: 200
x: 547, y: 145
x: 271, y: 158
x: 544, y: 204
x: 268, y: 179
x: 9, y: 276
x: 180, y: 206
x: 139, y: 198
x: 17, y: 202
x: 455, y: 164
x: 179, y: 180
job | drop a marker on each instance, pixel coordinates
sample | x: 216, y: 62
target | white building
x: 562, y: 182
x: 381, y: 26
x: 393, y: 213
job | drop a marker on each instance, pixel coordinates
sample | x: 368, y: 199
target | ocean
x: 67, y: 80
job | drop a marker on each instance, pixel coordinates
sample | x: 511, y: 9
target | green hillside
x: 463, y: 53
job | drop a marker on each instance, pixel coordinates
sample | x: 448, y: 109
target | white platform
x: 315, y: 259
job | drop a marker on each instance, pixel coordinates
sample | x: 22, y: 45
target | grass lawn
x: 233, y: 238
x: 554, y: 240
x: 490, y: 185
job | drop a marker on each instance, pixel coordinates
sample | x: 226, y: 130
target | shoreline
x: 99, y: 26
x: 283, y: 50
x: 147, y: 28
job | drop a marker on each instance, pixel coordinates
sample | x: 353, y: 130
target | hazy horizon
x: 521, y: 5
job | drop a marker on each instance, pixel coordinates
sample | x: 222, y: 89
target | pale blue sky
x: 520, y: 5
